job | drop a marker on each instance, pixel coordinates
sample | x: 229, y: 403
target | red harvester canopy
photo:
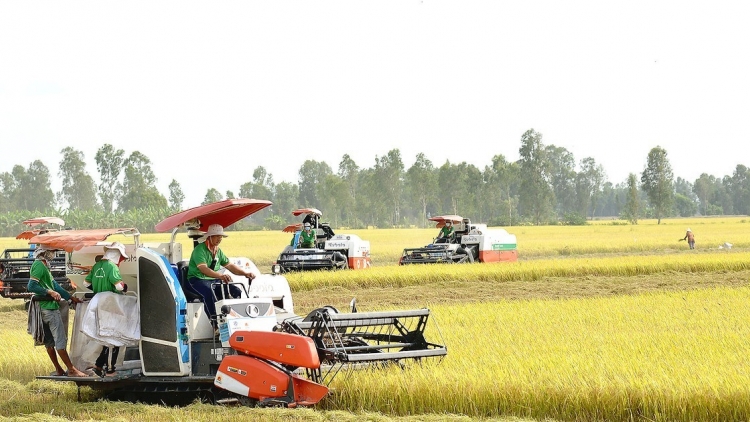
x: 31, y: 222
x: 441, y: 219
x: 301, y: 211
x: 73, y: 240
x: 292, y: 228
x: 225, y: 213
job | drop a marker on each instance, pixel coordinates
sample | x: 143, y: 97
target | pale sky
x: 211, y: 90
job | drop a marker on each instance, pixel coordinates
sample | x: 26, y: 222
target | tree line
x: 545, y: 186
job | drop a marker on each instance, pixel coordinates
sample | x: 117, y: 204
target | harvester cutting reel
x: 358, y: 340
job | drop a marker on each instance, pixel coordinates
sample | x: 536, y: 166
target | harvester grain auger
x: 351, y: 340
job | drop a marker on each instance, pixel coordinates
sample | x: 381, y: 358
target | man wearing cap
x: 105, y: 277
x: 205, y: 262
x: 41, y: 283
x: 307, y: 237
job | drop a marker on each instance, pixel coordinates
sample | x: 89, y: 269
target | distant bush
x: 574, y: 219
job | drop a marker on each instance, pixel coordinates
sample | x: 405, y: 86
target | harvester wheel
x: 463, y: 256
x: 246, y: 401
x: 327, y: 308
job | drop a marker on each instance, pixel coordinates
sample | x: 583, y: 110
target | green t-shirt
x: 41, y: 280
x: 103, y: 277
x: 201, y: 255
x: 446, y: 231
x: 307, y: 239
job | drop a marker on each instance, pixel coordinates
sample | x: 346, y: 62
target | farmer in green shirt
x: 445, y: 233
x: 105, y: 277
x: 41, y: 283
x: 205, y: 262
x: 307, y: 237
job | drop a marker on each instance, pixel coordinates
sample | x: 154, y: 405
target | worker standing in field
x: 690, y: 238
x: 41, y: 283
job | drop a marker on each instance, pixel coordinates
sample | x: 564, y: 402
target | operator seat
x: 182, y: 275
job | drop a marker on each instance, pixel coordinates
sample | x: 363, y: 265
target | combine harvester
x: 468, y: 243
x: 263, y: 354
x: 331, y: 251
x: 15, y: 264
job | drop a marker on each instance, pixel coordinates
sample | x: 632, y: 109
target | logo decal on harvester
x: 236, y: 371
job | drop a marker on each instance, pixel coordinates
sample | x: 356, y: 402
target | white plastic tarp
x: 112, y: 319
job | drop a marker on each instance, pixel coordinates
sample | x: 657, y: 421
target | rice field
x: 676, y: 356
x: 534, y: 242
x: 675, y: 351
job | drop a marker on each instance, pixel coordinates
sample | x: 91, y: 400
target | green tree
x: 536, y: 200
x: 7, y: 184
x: 739, y: 186
x: 421, y: 179
x: 507, y: 179
x: 656, y: 181
x: 685, y: 206
x: 78, y: 189
x: 28, y: 189
x: 723, y: 196
x: 212, y: 195
x: 704, y: 187
x: 389, y: 172
x: 333, y: 193
x: 349, y: 174
x: 312, y: 174
x: 632, y: 201
x: 261, y: 186
x: 370, y: 205
x: 589, y: 183
x: 563, y: 179
x: 285, y: 199
x: 685, y: 200
x: 176, y: 197
x: 458, y: 189
x: 109, y: 163
x: 139, y: 185
x: 611, y: 199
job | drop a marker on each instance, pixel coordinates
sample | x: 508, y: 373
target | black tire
x: 339, y: 260
x: 327, y: 308
x: 464, y: 256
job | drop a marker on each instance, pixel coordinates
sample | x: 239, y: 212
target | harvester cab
x: 262, y: 352
x: 467, y: 244
x: 330, y: 251
x: 15, y: 263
